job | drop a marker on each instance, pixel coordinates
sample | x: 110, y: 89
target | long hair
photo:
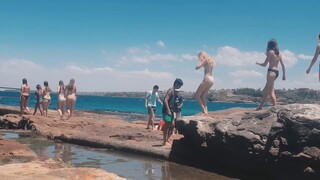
x: 61, y: 86
x: 273, y: 45
x: 24, y: 81
x: 71, y: 84
x: 206, y: 57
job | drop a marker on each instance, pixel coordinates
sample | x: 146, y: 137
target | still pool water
x: 126, y: 165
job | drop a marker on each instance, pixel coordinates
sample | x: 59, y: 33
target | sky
x: 126, y: 45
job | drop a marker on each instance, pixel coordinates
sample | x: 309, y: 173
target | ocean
x: 103, y: 104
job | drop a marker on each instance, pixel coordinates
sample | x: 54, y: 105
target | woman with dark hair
x: 24, y: 96
x: 315, y: 57
x: 71, y: 97
x: 273, y: 58
x: 61, y: 98
x: 46, y: 98
x: 39, y: 100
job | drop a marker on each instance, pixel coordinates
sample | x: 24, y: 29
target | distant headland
x: 240, y: 95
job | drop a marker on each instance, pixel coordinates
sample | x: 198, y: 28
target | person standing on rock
x: 39, y: 100
x: 273, y: 58
x: 315, y: 57
x: 71, y: 97
x: 177, y: 106
x: 24, y: 96
x: 151, y: 104
x: 46, y: 98
x: 167, y: 111
x: 61, y: 98
x: 200, y: 95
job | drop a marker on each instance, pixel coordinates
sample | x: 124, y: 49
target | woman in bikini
x: 200, y: 95
x: 315, y: 57
x: 46, y: 98
x: 24, y: 96
x: 71, y: 97
x: 39, y: 99
x: 61, y: 98
x: 273, y: 58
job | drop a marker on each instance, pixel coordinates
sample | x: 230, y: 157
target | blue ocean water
x: 117, y: 104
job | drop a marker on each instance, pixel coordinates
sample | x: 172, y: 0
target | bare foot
x: 203, y: 114
x: 166, y: 144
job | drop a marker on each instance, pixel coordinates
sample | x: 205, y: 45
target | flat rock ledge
x: 19, y: 162
x: 282, y: 141
x: 105, y: 130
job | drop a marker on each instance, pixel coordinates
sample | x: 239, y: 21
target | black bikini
x: 275, y: 71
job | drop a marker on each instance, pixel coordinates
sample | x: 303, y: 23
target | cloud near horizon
x: 161, y: 44
x: 245, y: 74
x: 230, y: 56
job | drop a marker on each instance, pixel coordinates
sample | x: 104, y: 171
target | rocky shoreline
x: 282, y: 142
x: 19, y: 162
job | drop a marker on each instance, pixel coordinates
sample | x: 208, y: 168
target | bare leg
x: 72, y: 104
x: 59, y: 108
x: 269, y: 87
x: 273, y: 97
x: 204, y: 97
x: 45, y: 108
x: 166, y: 133
x: 35, y: 108
x: 21, y: 105
x: 26, y: 105
x: 150, y: 121
x: 62, y: 107
x: 198, y: 97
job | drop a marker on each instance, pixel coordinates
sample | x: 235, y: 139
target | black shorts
x: 152, y: 108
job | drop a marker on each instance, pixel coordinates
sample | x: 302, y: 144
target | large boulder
x: 282, y: 141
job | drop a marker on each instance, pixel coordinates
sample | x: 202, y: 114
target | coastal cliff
x: 282, y: 141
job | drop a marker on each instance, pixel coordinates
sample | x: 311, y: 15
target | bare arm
x: 283, y: 69
x: 146, y: 101
x: 160, y: 101
x: 315, y: 57
x: 21, y: 90
x: 265, y: 63
x: 200, y: 63
x: 166, y: 101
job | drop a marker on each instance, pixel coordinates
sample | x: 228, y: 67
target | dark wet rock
x: 282, y: 141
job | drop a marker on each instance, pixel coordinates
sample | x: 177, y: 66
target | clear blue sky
x: 127, y: 45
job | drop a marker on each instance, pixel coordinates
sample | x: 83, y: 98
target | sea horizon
x: 102, y: 104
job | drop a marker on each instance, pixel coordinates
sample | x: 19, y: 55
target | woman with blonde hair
x: 71, y: 91
x: 61, y: 98
x: 273, y: 58
x: 200, y: 95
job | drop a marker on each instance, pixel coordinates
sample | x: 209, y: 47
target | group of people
x: 172, y: 102
x: 66, y: 97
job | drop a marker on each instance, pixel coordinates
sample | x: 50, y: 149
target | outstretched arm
x: 315, y: 57
x: 264, y: 64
